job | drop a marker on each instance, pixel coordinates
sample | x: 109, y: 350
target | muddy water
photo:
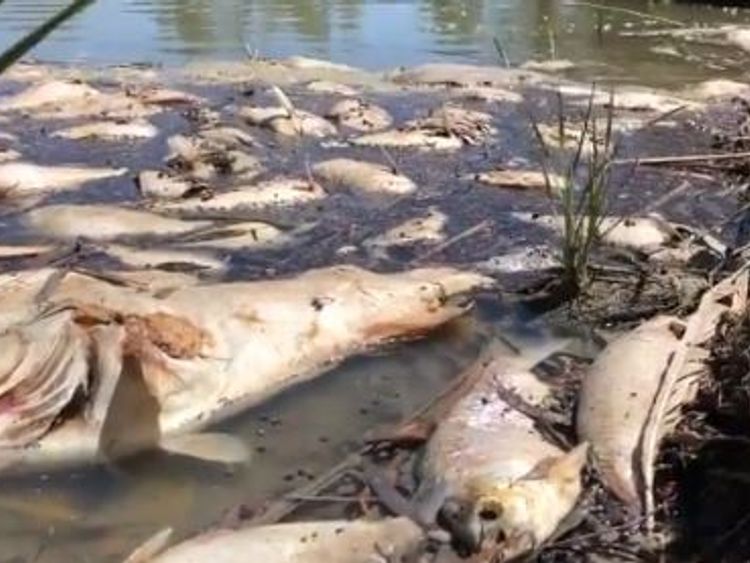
x: 377, y: 33
x: 100, y: 514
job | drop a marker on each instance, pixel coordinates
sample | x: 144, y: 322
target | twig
x: 450, y: 242
x: 642, y: 15
x: 682, y: 159
x: 500, y: 51
x: 326, y: 498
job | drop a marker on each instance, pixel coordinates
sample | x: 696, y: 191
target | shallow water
x: 373, y: 33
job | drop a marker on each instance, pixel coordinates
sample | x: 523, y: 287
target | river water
x: 374, y: 33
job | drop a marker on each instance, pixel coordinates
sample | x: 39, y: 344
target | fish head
x: 508, y: 519
x: 413, y: 302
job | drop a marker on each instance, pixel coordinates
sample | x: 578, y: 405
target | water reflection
x: 368, y: 33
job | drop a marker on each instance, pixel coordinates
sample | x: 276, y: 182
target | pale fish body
x: 366, y: 177
x: 616, y: 399
x: 507, y: 487
x: 299, y: 123
x: 276, y: 192
x: 249, y: 234
x: 24, y: 178
x: 335, y: 541
x: 105, y: 222
x: 360, y: 115
x: 412, y: 138
x: 429, y: 228
x: 140, y: 257
x: 172, y: 362
x: 109, y: 131
x: 55, y: 92
x: 645, y: 234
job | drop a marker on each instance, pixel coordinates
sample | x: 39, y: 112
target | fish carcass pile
x: 139, y: 311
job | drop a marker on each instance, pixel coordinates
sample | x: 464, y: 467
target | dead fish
x: 104, y: 222
x: 161, y: 186
x: 109, y: 131
x: 470, y: 126
x: 55, y: 92
x: 10, y: 251
x: 165, y: 365
x: 360, y: 115
x: 43, y: 366
x: 278, y: 119
x: 426, y: 229
x: 645, y: 234
x: 308, y: 63
x: 227, y: 137
x: 504, y: 488
x: 633, y: 393
x: 489, y: 94
x: 205, y: 158
x: 139, y: 257
x: 328, y: 87
x: 245, y: 235
x: 463, y: 75
x: 402, y: 138
x: 553, y: 65
x: 166, y: 97
x: 7, y: 154
x: 24, y: 178
x: 366, y: 177
x: 521, y: 179
x: 617, y: 394
x: 334, y: 541
x: 276, y: 192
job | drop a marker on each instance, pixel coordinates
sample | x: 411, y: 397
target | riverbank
x: 266, y: 169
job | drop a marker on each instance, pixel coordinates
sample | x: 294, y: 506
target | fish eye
x: 488, y: 514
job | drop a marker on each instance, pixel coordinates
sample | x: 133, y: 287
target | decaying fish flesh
x: 295, y: 124
x: 162, y: 365
x: 237, y: 236
x: 366, y: 177
x: 632, y: 394
x: 44, y: 365
x: 276, y: 192
x: 227, y: 137
x: 159, y: 185
x: 410, y: 138
x: 24, y: 178
x: 213, y: 153
x: 23, y: 250
x: 521, y: 179
x: 109, y: 130
x: 645, y: 234
x: 425, y: 229
x: 328, y: 87
x: 471, y: 127
x: 463, y: 75
x: 53, y: 93
x: 104, y: 222
x: 140, y: 257
x: 505, y: 489
x: 360, y: 115
x: 334, y: 541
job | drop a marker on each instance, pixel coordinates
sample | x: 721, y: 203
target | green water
x: 374, y: 33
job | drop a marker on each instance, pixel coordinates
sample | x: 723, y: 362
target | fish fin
x: 528, y: 356
x: 567, y: 468
x: 208, y: 446
x: 151, y: 547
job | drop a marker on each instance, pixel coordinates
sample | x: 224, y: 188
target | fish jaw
x: 426, y: 298
x: 512, y: 518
